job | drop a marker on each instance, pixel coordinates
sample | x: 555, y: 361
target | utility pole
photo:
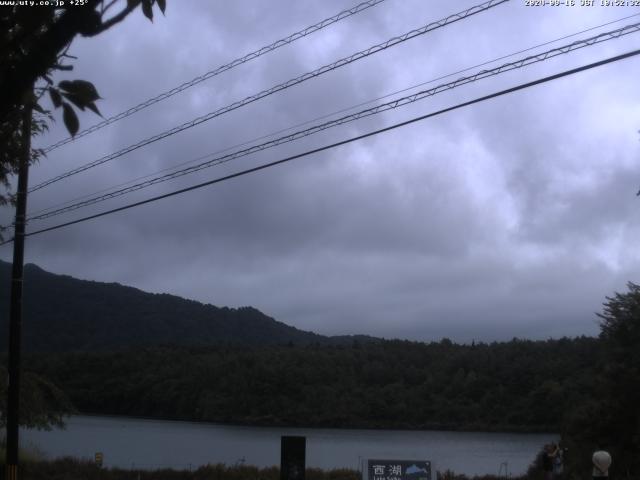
x: 15, y: 311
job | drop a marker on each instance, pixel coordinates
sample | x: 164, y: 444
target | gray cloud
x: 514, y: 217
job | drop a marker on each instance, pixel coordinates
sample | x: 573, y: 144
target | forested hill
x: 517, y: 385
x: 62, y: 313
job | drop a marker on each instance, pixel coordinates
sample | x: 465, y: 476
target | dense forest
x: 518, y: 385
x: 116, y: 350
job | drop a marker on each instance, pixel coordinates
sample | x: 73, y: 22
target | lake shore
x: 433, y: 427
x: 151, y: 444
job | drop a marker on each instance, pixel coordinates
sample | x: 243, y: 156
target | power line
x: 399, y: 102
x: 217, y: 71
x: 294, y: 81
x: 322, y: 117
x: 343, y: 142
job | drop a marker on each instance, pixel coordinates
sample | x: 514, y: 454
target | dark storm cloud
x: 511, y: 218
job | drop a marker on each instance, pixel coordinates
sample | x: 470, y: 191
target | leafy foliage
x: 79, y: 92
x: 42, y: 404
x: 517, y: 385
x: 610, y: 413
x: 33, y: 45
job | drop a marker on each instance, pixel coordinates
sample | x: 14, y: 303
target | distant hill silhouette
x: 62, y: 313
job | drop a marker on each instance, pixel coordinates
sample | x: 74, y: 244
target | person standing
x: 601, y: 461
x: 558, y: 462
x: 547, y: 462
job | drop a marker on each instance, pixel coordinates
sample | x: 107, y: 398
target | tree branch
x: 105, y: 9
x: 131, y: 6
x: 44, y: 51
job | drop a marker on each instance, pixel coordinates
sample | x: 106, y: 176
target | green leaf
x: 83, y: 90
x: 86, y: 90
x: 162, y: 4
x: 75, y: 100
x: 81, y: 93
x: 65, y: 85
x: 56, y: 99
x: 70, y: 119
x: 36, y: 106
x: 147, y: 10
x: 92, y: 106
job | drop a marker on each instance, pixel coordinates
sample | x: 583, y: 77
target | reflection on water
x: 151, y: 444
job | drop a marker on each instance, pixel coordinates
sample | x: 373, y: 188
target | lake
x: 153, y: 444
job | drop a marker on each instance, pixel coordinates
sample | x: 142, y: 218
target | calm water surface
x: 152, y: 444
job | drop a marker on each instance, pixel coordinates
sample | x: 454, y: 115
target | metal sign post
x: 292, y: 458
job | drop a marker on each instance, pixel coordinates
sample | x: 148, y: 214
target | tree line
x: 584, y: 388
x: 517, y: 385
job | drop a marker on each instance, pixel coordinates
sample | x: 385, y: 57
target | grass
x: 27, y: 454
x: 74, y: 469
x: 34, y: 466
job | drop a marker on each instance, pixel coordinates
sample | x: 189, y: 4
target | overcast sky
x: 510, y: 218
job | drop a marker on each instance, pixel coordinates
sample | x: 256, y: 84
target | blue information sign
x: 399, y: 470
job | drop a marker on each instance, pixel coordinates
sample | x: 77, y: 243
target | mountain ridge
x: 63, y: 313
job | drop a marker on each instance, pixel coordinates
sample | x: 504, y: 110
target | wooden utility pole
x: 15, y: 311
